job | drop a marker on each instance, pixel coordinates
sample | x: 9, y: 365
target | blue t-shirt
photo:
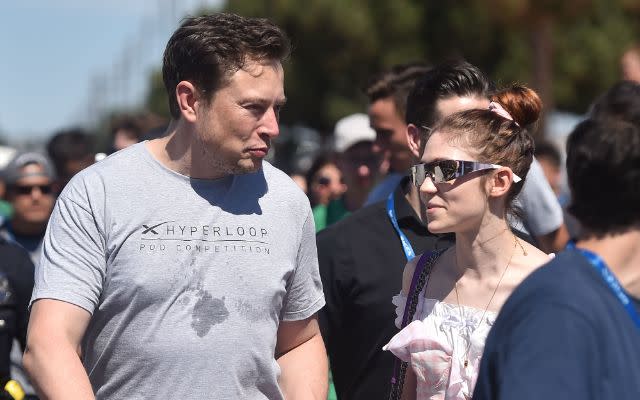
x: 562, y: 335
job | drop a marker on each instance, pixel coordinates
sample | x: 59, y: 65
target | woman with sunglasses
x: 473, y: 166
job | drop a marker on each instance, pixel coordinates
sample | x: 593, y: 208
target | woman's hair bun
x: 522, y: 103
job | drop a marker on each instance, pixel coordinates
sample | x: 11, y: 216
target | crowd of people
x: 430, y: 251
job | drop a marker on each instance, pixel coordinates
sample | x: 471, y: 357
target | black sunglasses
x: 28, y: 189
x: 324, y: 181
x: 447, y: 170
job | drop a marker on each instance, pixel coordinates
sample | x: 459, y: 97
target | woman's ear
x: 500, y: 182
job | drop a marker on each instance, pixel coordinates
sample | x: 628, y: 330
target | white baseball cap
x: 352, y: 129
x: 6, y: 155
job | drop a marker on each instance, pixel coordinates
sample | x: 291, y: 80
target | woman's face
x: 327, y: 184
x: 457, y: 205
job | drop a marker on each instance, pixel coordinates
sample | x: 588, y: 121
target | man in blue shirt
x: 572, y: 329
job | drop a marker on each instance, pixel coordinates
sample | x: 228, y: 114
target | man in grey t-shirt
x: 186, y: 267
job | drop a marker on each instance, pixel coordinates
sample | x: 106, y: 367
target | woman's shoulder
x: 529, y: 258
x: 410, y: 267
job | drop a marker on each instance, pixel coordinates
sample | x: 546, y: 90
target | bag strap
x: 418, y: 282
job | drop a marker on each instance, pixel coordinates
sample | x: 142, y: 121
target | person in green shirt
x: 359, y: 164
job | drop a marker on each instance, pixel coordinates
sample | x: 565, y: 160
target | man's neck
x: 24, y: 228
x: 412, y: 196
x: 621, y: 253
x: 182, y: 152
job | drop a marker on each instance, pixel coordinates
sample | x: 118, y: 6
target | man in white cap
x: 359, y: 164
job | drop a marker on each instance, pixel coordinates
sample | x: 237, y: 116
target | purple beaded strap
x: 422, y: 262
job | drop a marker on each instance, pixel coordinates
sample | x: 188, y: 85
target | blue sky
x: 53, y: 54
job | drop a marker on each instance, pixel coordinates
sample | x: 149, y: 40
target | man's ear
x: 415, y: 139
x: 500, y: 182
x: 187, y: 98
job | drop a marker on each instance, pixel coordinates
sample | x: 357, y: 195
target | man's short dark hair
x: 206, y: 50
x: 603, y: 166
x: 457, y: 78
x: 621, y: 101
x: 69, y: 145
x: 395, y: 83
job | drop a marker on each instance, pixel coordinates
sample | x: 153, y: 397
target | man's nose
x: 36, y: 192
x: 271, y: 126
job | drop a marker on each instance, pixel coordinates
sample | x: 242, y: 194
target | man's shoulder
x: 94, y: 181
x: 282, y: 186
x: 565, y: 283
x: 126, y: 160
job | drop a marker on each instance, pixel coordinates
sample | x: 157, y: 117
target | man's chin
x: 248, y: 166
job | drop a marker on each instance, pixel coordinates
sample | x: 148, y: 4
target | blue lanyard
x: 598, y: 263
x: 391, y: 212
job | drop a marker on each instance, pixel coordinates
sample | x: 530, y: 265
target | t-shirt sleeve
x: 73, y: 262
x: 537, y: 354
x: 541, y: 209
x: 304, y: 288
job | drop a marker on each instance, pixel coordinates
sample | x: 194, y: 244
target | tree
x: 337, y: 44
x: 567, y: 50
x: 156, y: 99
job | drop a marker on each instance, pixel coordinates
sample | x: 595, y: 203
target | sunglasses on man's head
x: 447, y: 170
x: 28, y: 189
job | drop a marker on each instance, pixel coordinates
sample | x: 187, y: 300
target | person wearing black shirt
x: 361, y: 257
x: 361, y: 263
x: 16, y: 283
x: 572, y: 329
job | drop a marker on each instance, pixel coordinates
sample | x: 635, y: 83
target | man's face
x: 630, y: 66
x: 237, y: 125
x: 360, y: 166
x: 32, y: 196
x: 552, y: 172
x: 391, y: 134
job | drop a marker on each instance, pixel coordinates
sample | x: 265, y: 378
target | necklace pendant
x: 466, y: 363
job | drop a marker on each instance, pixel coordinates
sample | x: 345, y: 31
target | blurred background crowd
x: 568, y: 51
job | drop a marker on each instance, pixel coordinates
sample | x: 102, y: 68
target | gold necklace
x: 466, y: 353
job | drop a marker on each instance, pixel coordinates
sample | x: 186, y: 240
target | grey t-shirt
x: 186, y: 279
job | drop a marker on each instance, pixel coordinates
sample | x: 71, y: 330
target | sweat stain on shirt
x: 208, y: 311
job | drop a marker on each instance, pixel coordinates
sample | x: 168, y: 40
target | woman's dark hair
x: 603, y: 167
x: 206, y: 50
x: 495, y: 139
